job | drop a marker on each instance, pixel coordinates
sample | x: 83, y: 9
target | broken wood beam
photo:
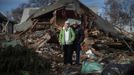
x: 42, y: 23
x: 130, y: 48
x: 34, y: 24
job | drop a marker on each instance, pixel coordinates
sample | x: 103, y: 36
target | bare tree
x: 113, y: 9
x: 119, y: 11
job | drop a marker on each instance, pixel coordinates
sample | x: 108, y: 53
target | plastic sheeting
x: 91, y: 67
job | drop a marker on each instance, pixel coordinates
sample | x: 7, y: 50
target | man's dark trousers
x: 77, y: 48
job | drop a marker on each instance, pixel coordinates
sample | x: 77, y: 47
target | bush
x: 18, y: 59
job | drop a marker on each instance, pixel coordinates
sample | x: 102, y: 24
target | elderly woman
x: 66, y: 38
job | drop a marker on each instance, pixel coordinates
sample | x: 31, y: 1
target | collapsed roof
x: 77, y: 6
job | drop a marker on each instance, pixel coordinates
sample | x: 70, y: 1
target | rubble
x: 42, y: 44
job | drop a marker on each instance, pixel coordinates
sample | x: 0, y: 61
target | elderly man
x: 66, y: 38
x: 78, y: 40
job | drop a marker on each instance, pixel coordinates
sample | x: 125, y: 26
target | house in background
x: 6, y: 25
x: 2, y: 19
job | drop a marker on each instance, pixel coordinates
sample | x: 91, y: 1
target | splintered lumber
x: 43, y: 40
x: 114, y: 43
x: 127, y: 34
x: 42, y: 23
x: 5, y: 27
x: 130, y: 48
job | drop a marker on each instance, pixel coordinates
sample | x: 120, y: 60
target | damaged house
x: 39, y: 29
x: 6, y: 25
x: 44, y: 23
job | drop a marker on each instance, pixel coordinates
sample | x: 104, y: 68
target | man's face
x: 74, y: 25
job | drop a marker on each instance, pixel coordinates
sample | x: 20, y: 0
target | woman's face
x: 66, y: 25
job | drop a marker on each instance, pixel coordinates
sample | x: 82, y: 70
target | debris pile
x: 54, y: 53
x: 45, y: 43
x: 36, y: 39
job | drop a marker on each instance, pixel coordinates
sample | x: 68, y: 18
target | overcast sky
x: 8, y: 5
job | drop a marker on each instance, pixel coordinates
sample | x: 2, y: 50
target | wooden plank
x: 42, y: 23
x: 29, y: 28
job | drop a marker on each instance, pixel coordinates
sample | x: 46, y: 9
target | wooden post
x: 5, y: 27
